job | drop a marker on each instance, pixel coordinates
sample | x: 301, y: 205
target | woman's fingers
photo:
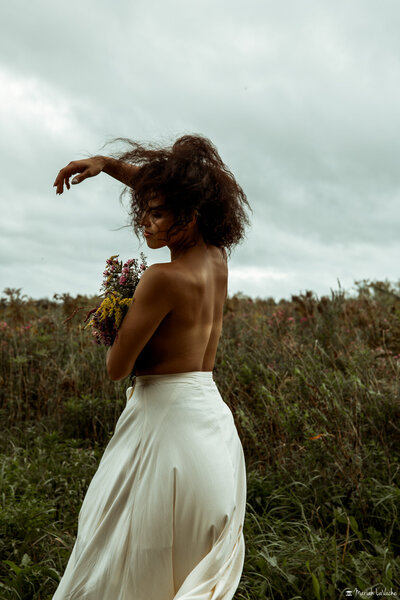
x: 59, y: 182
x: 81, y: 177
x: 64, y: 175
x: 85, y: 168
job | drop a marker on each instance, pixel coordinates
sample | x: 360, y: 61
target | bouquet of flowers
x: 119, y: 283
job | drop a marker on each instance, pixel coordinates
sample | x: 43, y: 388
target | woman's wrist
x: 103, y: 160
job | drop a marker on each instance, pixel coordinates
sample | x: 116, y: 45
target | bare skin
x: 175, y: 320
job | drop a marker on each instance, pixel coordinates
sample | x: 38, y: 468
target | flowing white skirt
x: 163, y: 516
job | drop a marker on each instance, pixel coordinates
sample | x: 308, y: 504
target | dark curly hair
x: 191, y: 178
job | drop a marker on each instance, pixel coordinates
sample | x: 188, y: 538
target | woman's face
x: 156, y: 222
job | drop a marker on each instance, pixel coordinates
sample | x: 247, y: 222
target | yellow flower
x: 111, y: 307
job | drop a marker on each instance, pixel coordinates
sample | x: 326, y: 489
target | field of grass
x: 314, y: 387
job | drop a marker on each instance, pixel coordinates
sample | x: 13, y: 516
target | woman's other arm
x: 153, y: 299
x: 89, y: 167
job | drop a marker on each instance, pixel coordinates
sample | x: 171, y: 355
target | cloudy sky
x: 301, y: 98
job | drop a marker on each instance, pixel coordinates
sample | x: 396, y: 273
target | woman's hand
x: 88, y: 167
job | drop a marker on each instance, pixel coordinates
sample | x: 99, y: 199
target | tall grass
x: 314, y: 387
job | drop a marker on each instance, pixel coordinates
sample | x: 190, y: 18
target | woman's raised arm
x: 89, y: 167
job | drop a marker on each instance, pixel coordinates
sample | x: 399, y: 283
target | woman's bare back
x: 185, y: 198
x: 187, y: 338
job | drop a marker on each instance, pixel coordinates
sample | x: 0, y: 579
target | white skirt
x: 163, y: 516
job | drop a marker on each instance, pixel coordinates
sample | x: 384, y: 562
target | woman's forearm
x: 119, y: 169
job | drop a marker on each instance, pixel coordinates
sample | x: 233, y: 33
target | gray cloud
x: 301, y: 99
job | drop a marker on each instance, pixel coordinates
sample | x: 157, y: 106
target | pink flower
x: 122, y: 279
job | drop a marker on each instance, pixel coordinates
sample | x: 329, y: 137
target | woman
x: 162, y: 518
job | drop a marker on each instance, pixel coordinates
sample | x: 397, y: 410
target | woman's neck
x: 187, y: 246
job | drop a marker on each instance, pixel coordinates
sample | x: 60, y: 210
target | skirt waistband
x: 174, y: 377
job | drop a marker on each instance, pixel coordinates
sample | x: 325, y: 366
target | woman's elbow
x: 117, y: 371
x: 112, y: 368
x: 114, y: 376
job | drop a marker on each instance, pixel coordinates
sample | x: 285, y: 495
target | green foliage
x: 314, y: 387
x: 44, y: 479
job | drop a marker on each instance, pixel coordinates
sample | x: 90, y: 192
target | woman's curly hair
x: 192, y: 179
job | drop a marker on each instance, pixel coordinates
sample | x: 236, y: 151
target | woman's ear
x: 192, y: 223
x: 193, y: 220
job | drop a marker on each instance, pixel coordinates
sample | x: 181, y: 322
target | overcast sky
x: 301, y: 98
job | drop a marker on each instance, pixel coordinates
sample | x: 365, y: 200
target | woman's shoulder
x: 176, y: 272
x: 160, y: 270
x: 161, y: 278
x: 156, y: 277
